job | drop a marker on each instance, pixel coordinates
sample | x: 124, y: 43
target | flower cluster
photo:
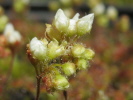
x: 57, y: 56
x: 12, y: 36
x: 10, y: 39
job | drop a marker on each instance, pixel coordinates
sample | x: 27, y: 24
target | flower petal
x: 38, y: 48
x: 72, y: 27
x: 85, y: 23
x: 61, y: 21
x: 76, y: 17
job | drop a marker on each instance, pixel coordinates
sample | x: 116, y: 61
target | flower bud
x: 84, y: 24
x: 54, y: 5
x: 88, y: 54
x: 53, y: 33
x: 68, y: 68
x: 112, y: 13
x: 66, y: 3
x: 77, y: 50
x: 12, y: 35
x: 102, y: 21
x: 20, y: 5
x: 60, y: 82
x: 38, y: 49
x: 3, y: 22
x: 124, y: 23
x: 81, y: 64
x: 61, y: 22
x: 99, y: 9
x: 54, y: 50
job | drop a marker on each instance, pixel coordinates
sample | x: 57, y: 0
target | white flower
x: 99, y: 9
x: 12, y: 35
x: 112, y: 12
x: 38, y: 48
x: 84, y: 24
x: 74, y: 26
x: 61, y: 22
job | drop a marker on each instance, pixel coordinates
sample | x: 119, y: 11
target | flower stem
x: 5, y: 83
x: 9, y: 70
x: 38, y: 87
x: 65, y: 94
x: 38, y: 78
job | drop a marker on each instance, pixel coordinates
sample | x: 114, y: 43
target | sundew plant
x: 58, y: 56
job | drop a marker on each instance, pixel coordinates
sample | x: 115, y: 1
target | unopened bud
x: 88, y: 54
x: 60, y: 82
x: 54, y: 5
x: 20, y: 5
x: 77, y: 50
x: 66, y: 2
x: 68, y: 68
x: 99, y: 9
x: 54, y: 50
x: 81, y: 64
x: 3, y: 22
x: 112, y: 13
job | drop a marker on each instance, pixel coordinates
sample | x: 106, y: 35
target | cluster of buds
x: 104, y: 14
x: 58, y: 56
x: 10, y: 38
